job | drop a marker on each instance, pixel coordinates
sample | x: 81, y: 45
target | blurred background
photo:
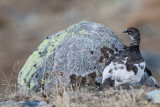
x: 24, y: 24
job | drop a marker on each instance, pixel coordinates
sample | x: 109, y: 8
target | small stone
x: 7, y: 103
x: 29, y: 103
x: 154, y: 96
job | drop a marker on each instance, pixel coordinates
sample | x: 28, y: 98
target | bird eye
x: 130, y: 30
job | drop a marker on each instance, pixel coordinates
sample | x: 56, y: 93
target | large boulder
x: 79, y: 51
x: 76, y: 56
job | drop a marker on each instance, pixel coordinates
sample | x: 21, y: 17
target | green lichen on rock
x: 55, y: 54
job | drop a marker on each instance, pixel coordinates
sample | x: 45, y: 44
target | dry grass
x: 85, y: 97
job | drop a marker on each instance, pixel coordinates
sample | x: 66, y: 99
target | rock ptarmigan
x: 125, y: 67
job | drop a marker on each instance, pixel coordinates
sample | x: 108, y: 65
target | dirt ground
x: 24, y: 24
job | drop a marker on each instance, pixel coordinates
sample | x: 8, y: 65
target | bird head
x: 132, y: 31
x: 134, y: 35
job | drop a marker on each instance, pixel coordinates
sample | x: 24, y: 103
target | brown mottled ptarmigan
x: 128, y: 66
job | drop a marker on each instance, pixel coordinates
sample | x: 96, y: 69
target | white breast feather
x: 122, y: 74
x: 140, y: 71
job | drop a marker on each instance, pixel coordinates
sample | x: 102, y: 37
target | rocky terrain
x: 81, y: 98
x: 25, y: 24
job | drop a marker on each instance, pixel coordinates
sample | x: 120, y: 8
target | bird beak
x: 125, y: 31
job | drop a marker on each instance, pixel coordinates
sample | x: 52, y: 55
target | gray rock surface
x: 75, y: 56
x: 148, y: 81
x: 154, y: 96
x: 78, y: 52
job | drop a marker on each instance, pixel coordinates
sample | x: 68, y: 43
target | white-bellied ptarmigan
x: 125, y: 67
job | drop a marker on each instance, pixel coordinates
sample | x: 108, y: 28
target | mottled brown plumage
x: 130, y: 60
